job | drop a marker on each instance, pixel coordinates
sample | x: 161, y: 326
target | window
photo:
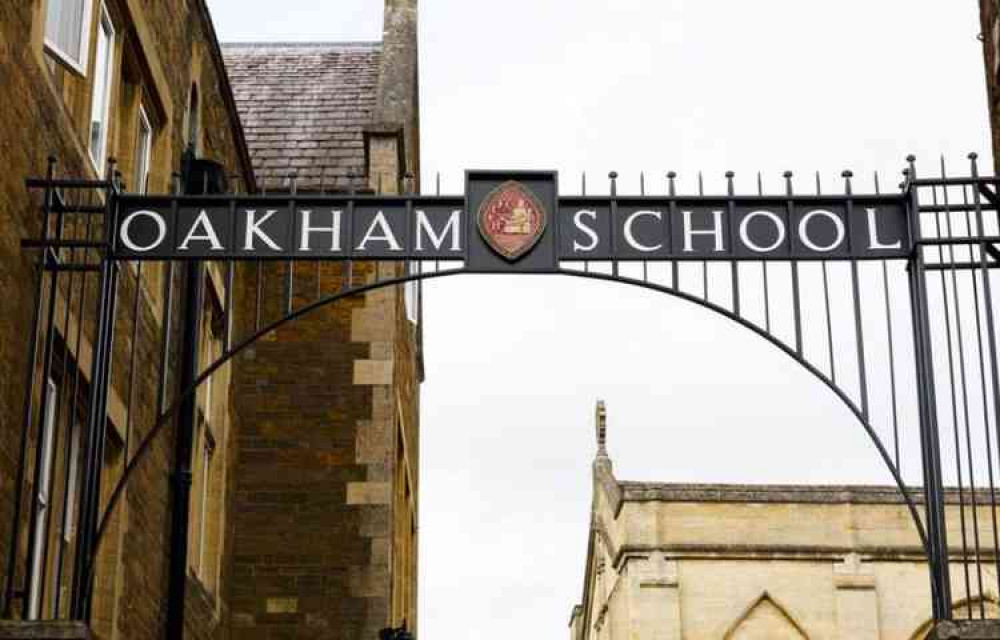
x: 207, y: 452
x: 66, y: 26
x: 411, y: 296
x: 194, y: 121
x: 143, y: 152
x: 101, y: 98
x: 72, y: 482
x: 43, y: 500
x: 208, y: 455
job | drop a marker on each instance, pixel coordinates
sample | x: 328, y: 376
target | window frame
x: 42, y: 499
x: 207, y: 457
x: 144, y: 151
x: 105, y: 22
x: 77, y: 66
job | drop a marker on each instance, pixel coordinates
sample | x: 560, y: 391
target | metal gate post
x: 96, y: 427
x: 930, y: 442
x: 194, y: 294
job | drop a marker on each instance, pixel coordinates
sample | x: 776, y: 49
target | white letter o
x: 161, y: 226
x: 837, y: 222
x: 745, y: 233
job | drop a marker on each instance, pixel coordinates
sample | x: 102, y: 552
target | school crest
x: 512, y: 220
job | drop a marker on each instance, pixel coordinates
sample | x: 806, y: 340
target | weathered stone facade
x: 761, y: 562
x: 162, y: 53
x: 326, y: 483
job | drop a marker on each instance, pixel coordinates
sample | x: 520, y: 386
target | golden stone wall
x: 703, y: 562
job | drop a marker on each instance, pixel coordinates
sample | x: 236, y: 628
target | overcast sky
x: 514, y: 365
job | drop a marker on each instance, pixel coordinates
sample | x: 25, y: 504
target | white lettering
x: 873, y: 241
x: 630, y: 235
x: 161, y: 231
x: 715, y: 231
x: 451, y: 227
x: 307, y: 229
x: 209, y: 234
x: 779, y: 224
x: 386, y: 234
x: 253, y: 229
x: 806, y: 240
x: 591, y: 234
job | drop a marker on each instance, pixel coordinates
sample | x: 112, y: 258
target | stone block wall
x: 161, y: 49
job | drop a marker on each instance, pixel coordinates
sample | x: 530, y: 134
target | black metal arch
x: 166, y: 417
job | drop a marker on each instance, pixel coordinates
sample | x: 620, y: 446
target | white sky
x: 514, y: 365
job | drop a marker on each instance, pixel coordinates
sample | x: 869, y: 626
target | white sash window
x: 101, y: 97
x: 66, y: 26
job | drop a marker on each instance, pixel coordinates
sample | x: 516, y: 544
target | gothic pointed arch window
x: 765, y: 619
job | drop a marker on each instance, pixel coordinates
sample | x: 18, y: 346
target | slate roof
x: 303, y: 107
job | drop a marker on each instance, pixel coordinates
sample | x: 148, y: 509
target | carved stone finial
x: 601, y: 422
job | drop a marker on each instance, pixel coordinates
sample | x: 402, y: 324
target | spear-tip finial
x: 601, y: 423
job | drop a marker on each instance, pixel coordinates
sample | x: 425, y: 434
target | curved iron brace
x: 882, y: 451
x: 167, y: 415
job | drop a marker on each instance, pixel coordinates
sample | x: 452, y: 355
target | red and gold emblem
x: 512, y: 220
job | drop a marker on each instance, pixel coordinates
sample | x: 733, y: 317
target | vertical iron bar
x: 704, y: 263
x: 194, y: 295
x: 67, y: 518
x: 674, y: 265
x: 892, y: 351
x: 29, y: 383
x: 48, y: 254
x: 613, y: 176
x: 796, y: 295
x: 290, y: 264
x: 65, y: 400
x: 96, y: 430
x: 954, y: 411
x: 987, y: 304
x: 930, y: 438
x: 731, y: 223
x: 583, y: 192
x: 763, y: 264
x: 986, y: 406
x: 960, y: 335
x: 230, y: 312
x: 826, y: 303
x: 859, y: 332
x: 168, y: 312
x: 132, y: 355
x: 642, y: 192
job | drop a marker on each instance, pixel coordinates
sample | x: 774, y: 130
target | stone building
x: 302, y: 514
x: 85, y: 80
x: 326, y: 484
x: 672, y: 561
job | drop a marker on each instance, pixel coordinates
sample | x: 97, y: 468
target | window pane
x: 64, y: 27
x: 73, y: 483
x: 99, y: 103
x: 42, y: 500
x: 144, y: 146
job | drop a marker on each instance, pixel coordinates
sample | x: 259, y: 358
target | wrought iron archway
x: 866, y: 298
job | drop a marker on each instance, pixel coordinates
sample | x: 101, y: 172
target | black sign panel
x: 512, y: 221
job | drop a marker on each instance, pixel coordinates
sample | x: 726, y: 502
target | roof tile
x: 305, y: 106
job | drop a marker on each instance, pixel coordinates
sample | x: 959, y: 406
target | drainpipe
x: 200, y: 177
